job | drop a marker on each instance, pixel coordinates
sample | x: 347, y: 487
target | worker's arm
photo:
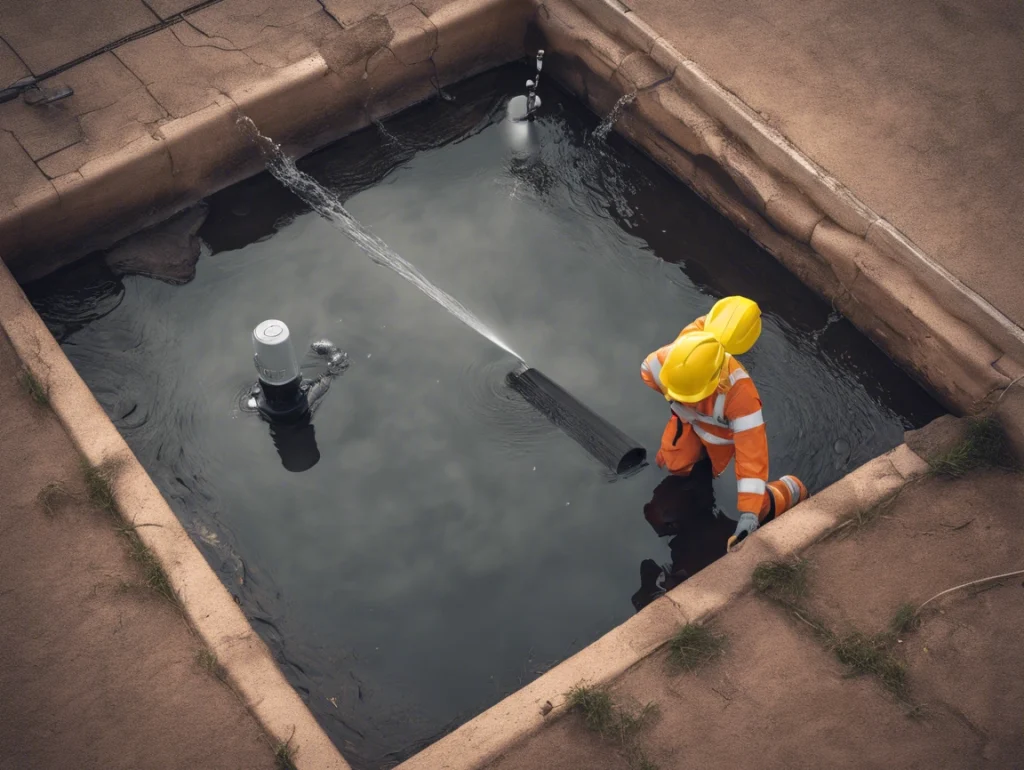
x: 650, y: 364
x: 743, y: 410
x: 647, y: 369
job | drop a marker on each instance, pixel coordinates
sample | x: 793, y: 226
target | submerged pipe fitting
x: 284, y: 398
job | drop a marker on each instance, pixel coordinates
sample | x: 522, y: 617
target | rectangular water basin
x: 448, y: 544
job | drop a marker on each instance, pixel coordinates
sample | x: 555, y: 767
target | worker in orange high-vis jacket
x: 716, y: 410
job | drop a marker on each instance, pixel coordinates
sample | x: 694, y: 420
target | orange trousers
x: 678, y: 458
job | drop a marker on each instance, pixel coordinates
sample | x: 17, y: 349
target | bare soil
x: 96, y: 669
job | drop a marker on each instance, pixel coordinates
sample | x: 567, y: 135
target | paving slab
x: 918, y: 107
x: 12, y: 68
x: 49, y: 33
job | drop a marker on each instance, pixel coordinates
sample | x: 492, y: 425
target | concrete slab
x: 184, y: 73
x: 48, y: 33
x: 239, y: 24
x: 349, y: 12
x: 12, y: 68
x: 21, y: 177
x: 918, y: 107
x: 165, y: 9
x: 46, y: 129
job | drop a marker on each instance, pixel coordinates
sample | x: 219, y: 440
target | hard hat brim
x: 673, y: 395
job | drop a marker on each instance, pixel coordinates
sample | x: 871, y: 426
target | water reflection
x: 683, y: 508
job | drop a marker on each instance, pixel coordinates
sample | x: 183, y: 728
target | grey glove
x: 747, y: 524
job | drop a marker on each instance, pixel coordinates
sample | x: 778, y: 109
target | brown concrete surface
x: 778, y: 699
x: 151, y: 126
x: 917, y: 106
x: 96, y: 671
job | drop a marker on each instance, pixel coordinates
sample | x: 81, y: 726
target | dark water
x: 450, y: 545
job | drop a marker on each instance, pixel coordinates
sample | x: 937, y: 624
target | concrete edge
x: 303, y: 106
x: 207, y: 605
x: 946, y: 335
x: 494, y: 732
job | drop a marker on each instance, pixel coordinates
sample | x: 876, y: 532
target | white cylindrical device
x: 274, y: 355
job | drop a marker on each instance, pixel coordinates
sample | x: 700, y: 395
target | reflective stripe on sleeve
x: 747, y: 422
x: 791, y: 484
x: 654, y: 367
x: 738, y: 375
x: 710, y: 438
x: 750, y: 486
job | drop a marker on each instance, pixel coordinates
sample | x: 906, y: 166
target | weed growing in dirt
x: 154, y: 576
x: 594, y: 704
x: 693, y: 646
x: 284, y: 756
x: 207, y: 661
x: 39, y: 392
x: 620, y: 725
x: 54, y: 496
x: 984, y: 445
x: 638, y: 759
x: 784, y: 581
x: 904, y: 620
x: 99, y: 483
x: 871, y: 655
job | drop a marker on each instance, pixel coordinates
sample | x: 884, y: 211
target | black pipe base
x: 282, y: 403
x: 605, y: 443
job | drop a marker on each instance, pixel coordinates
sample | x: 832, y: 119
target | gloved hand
x: 747, y: 524
x: 659, y: 459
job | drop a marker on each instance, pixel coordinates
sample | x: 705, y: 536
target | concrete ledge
x: 485, y: 738
x: 943, y: 333
x: 362, y: 73
x: 207, y: 605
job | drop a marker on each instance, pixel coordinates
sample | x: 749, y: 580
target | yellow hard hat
x: 692, y: 368
x: 736, y: 323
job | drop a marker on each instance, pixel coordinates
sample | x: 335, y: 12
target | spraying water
x: 606, y: 125
x: 327, y: 205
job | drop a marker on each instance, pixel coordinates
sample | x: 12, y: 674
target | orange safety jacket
x: 728, y: 423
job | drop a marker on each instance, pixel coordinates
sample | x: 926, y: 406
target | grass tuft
x: 284, y: 756
x: 637, y: 759
x: 601, y: 715
x: 207, y: 660
x: 693, y: 646
x: 904, y: 620
x: 594, y: 704
x: 784, y: 581
x: 54, y: 496
x: 38, y: 392
x: 153, y: 574
x: 99, y: 483
x: 870, y: 655
x: 984, y: 445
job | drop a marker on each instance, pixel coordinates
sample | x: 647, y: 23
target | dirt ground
x: 96, y: 670
x: 778, y: 697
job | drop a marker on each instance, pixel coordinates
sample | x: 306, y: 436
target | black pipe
x: 606, y: 443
